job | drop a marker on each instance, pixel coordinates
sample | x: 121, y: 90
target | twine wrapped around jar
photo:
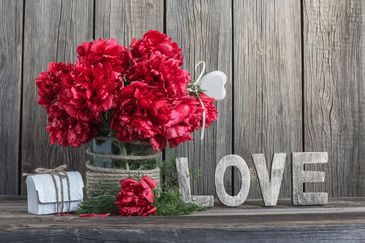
x: 96, y: 175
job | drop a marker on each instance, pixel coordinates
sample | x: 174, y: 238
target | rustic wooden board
x: 343, y: 220
x: 53, y: 29
x: 334, y: 92
x: 203, y: 30
x: 336, y: 233
x: 11, y: 29
x: 125, y: 20
x: 267, y: 88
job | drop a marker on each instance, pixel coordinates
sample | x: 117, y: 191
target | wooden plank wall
x: 52, y: 30
x: 295, y: 80
x: 267, y: 83
x: 203, y: 30
x: 11, y: 26
x: 334, y: 91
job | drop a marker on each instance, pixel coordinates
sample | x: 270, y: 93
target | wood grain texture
x: 309, y: 234
x: 334, y: 92
x: 343, y: 220
x: 11, y: 27
x: 203, y: 29
x: 53, y: 29
x: 301, y: 177
x: 270, y: 184
x: 125, y: 20
x: 267, y: 88
x: 203, y: 201
x: 183, y: 178
x: 223, y: 164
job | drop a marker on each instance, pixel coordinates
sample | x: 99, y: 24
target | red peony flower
x: 211, y: 113
x: 91, y: 94
x: 52, y: 82
x: 157, y: 71
x: 135, y: 198
x: 195, y: 117
x: 186, y: 117
x: 98, y: 76
x: 145, y: 112
x: 69, y: 131
x: 154, y: 41
x: 133, y: 118
x: 107, y: 53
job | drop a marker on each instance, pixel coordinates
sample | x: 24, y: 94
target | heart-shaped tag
x: 213, y: 84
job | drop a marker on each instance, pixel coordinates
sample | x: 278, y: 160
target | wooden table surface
x: 342, y: 220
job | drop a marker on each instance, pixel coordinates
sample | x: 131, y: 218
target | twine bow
x: 194, y: 87
x: 59, y: 171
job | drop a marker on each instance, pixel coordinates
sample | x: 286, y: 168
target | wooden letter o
x: 240, y: 164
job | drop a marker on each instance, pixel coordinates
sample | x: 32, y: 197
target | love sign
x: 269, y: 184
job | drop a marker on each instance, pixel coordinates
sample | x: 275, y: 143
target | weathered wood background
x: 295, y: 70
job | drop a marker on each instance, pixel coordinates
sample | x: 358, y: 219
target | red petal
x: 151, y: 183
x: 150, y: 211
x: 102, y: 215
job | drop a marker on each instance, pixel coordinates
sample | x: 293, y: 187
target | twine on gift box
x: 194, y: 87
x: 59, y: 171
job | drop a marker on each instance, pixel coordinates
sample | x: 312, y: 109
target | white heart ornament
x: 213, y: 84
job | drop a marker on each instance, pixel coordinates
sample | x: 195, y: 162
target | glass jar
x: 109, y: 152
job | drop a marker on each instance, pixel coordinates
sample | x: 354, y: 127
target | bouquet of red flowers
x: 140, y: 92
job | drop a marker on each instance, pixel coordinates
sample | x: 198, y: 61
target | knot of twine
x: 194, y: 88
x: 59, y: 171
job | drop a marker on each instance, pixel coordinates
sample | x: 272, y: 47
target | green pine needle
x: 100, y: 200
x: 100, y: 204
x: 170, y: 204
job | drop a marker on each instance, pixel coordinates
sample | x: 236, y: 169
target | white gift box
x: 42, y: 197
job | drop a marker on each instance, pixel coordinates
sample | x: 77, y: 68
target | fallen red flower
x: 135, y: 198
